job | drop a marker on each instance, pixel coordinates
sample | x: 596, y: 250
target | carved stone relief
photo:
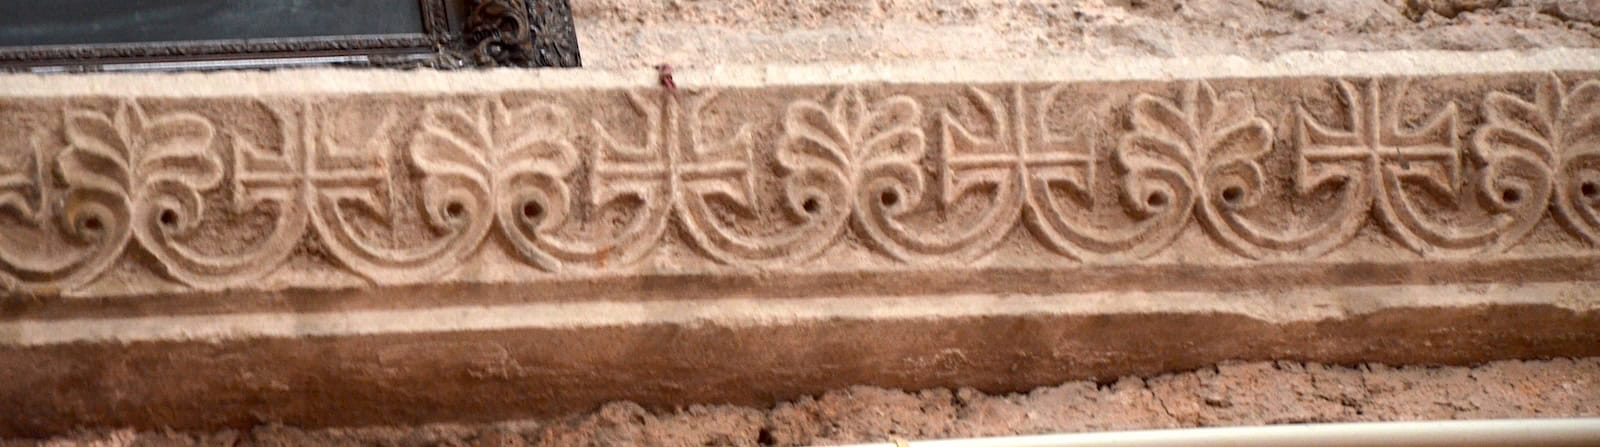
x: 220, y: 193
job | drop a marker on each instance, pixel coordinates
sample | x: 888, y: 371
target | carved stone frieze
x: 135, y: 194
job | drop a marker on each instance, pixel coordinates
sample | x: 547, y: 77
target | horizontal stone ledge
x: 213, y: 250
x: 458, y: 364
x: 1244, y: 281
x: 1277, y: 307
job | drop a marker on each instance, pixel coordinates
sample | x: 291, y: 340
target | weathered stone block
x: 221, y: 249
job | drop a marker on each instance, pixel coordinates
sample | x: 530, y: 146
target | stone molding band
x: 1304, y: 305
x: 126, y: 194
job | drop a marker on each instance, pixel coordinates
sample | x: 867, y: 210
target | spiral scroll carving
x: 234, y: 192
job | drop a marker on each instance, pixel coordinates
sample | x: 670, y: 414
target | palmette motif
x: 490, y: 165
x: 1211, y: 147
x: 1544, y: 151
x: 860, y: 157
x: 127, y: 177
x: 413, y: 195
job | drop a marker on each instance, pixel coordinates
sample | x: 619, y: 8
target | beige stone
x: 224, y: 249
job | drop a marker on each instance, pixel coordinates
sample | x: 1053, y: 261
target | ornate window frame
x: 457, y: 34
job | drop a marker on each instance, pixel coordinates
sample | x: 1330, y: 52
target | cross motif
x: 311, y: 164
x: 1377, y: 141
x: 668, y: 166
x: 972, y: 160
x: 1384, y: 153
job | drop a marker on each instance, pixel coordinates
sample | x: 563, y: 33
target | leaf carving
x: 516, y: 157
x: 1543, y: 151
x: 1213, y: 144
x: 864, y: 155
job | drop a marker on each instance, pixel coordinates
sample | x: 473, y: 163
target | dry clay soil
x: 641, y: 33
x: 1228, y: 395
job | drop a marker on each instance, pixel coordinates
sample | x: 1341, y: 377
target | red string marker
x: 664, y: 74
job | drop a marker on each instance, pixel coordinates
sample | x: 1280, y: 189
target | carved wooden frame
x: 457, y: 34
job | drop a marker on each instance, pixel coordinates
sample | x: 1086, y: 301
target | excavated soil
x: 1229, y: 395
x: 641, y: 33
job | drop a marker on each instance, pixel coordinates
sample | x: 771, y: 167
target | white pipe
x: 1486, y: 433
